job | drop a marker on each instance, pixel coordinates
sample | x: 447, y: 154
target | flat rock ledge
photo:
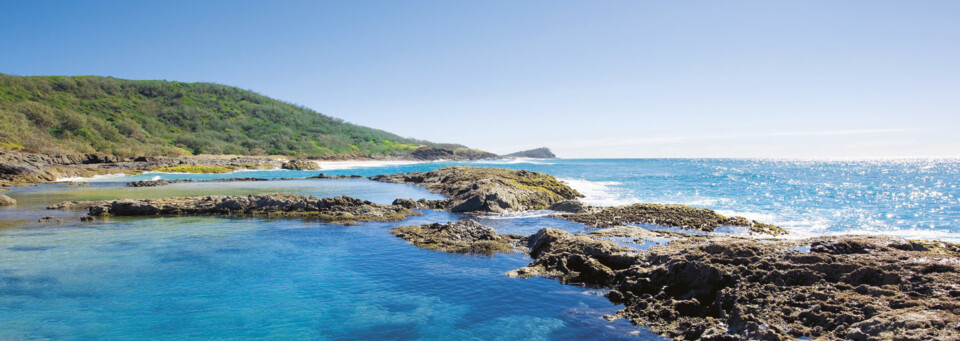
x: 670, y: 215
x: 493, y: 190
x: 467, y: 236
x: 731, y: 288
x: 339, y: 210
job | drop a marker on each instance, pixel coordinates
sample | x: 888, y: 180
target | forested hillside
x: 126, y: 118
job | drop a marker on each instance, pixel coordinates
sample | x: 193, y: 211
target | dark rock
x: 572, y: 206
x: 481, y: 189
x: 670, y: 215
x: 46, y: 219
x: 726, y: 288
x: 339, y: 210
x: 466, y: 236
x: 421, y: 204
x: 86, y: 218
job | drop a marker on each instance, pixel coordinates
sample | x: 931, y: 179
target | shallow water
x: 914, y: 198
x: 209, y: 277
x: 206, y: 277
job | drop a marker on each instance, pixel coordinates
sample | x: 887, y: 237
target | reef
x: 482, y: 189
x: 339, y: 210
x: 467, y: 236
x: 300, y: 165
x: 732, y: 288
x: 670, y: 215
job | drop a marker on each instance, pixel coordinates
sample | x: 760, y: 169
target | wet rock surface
x: 727, y: 288
x: 467, y: 236
x: 339, y: 210
x: 670, y: 215
x: 422, y: 203
x: 481, y: 189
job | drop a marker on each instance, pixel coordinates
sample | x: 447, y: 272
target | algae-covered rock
x: 671, y: 215
x: 466, y: 236
x: 339, y: 210
x: 575, y: 258
x: 300, y: 165
x: 7, y: 201
x: 482, y: 189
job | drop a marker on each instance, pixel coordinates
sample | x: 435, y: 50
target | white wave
x: 338, y: 165
x: 156, y: 178
x: 600, y: 193
x: 518, y: 215
x: 95, y: 178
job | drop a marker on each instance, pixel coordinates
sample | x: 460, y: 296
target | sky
x: 588, y: 79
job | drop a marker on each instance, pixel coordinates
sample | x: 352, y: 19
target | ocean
x: 225, y: 278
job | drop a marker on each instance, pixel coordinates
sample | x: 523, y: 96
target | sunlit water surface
x: 205, y: 277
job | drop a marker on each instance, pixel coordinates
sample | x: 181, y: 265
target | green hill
x: 128, y: 118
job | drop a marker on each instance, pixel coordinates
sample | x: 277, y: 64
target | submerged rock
x: 669, y: 215
x: 7, y: 201
x: 339, y: 210
x: 481, y: 189
x: 300, y: 165
x: 726, y: 288
x: 467, y: 236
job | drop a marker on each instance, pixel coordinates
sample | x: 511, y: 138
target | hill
x: 131, y: 118
x: 539, y: 153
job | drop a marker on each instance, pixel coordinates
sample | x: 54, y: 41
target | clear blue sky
x: 586, y: 78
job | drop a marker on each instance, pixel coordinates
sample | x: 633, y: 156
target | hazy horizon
x: 745, y: 79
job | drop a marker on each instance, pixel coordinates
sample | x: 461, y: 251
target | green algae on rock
x: 484, y: 189
x: 670, y: 215
x: 338, y: 210
x: 466, y: 236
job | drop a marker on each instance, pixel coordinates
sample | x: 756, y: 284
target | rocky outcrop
x: 7, y: 201
x: 18, y: 168
x: 481, y: 189
x: 725, y: 288
x: 421, y: 203
x: 300, y: 165
x: 573, y: 206
x: 669, y: 215
x: 339, y: 210
x: 466, y: 236
x: 539, y: 153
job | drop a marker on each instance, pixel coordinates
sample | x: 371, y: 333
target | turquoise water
x: 208, y: 277
x: 910, y: 198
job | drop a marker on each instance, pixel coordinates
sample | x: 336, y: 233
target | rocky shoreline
x: 684, y: 283
x: 342, y: 210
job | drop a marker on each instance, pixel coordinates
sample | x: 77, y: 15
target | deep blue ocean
x: 222, y: 278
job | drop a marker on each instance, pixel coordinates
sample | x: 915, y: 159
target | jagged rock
x: 339, y: 210
x: 575, y: 258
x: 670, y: 215
x: 421, y: 204
x: 7, y: 201
x: 86, y: 218
x: 572, y: 206
x: 727, y: 288
x: 466, y: 236
x: 301, y: 165
x: 481, y: 189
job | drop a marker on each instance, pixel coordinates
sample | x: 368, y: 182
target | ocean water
x: 227, y: 278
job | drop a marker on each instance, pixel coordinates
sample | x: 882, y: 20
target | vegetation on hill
x: 539, y: 153
x: 128, y: 118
